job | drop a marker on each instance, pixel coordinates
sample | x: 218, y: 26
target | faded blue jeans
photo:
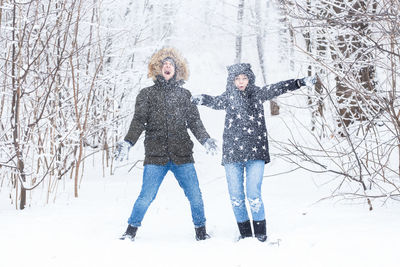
x: 254, y: 176
x: 153, y: 175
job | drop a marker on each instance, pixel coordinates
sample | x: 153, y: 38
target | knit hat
x: 170, y: 60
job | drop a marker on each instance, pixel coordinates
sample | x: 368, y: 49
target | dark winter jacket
x: 164, y: 111
x: 245, y: 133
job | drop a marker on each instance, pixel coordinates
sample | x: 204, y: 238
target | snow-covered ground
x: 84, y: 231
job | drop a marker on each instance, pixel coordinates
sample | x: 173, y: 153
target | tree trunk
x: 239, y: 34
x: 316, y: 38
x: 260, y: 46
x: 350, y: 101
x: 274, y: 107
x: 15, y: 119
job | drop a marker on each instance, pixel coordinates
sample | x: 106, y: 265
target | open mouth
x: 167, y: 72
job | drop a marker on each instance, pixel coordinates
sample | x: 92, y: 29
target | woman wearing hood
x: 245, y: 141
x: 165, y: 113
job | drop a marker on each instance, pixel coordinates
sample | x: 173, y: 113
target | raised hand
x: 309, y: 81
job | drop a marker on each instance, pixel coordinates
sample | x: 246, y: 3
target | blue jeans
x: 153, y: 175
x: 254, y: 176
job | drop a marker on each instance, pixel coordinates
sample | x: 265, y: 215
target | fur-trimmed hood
x: 181, y: 66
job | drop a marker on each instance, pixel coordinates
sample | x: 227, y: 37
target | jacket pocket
x: 155, y: 146
x: 181, y: 146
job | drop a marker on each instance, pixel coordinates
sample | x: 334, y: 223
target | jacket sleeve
x: 139, y: 120
x: 268, y: 92
x: 195, y: 124
x: 215, y: 102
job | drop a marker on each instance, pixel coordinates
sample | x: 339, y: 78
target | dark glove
x: 122, y: 150
x: 307, y: 81
x: 197, y: 99
x: 211, y: 146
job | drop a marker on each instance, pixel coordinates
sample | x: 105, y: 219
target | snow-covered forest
x: 70, y: 73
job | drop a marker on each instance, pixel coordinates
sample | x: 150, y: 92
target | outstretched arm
x: 268, y: 92
x: 214, y: 102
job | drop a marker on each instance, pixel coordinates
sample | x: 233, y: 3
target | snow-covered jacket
x: 164, y: 111
x: 245, y: 133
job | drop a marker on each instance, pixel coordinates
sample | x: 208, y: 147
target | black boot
x: 260, y: 230
x: 129, y: 233
x: 245, y: 229
x: 201, y: 233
